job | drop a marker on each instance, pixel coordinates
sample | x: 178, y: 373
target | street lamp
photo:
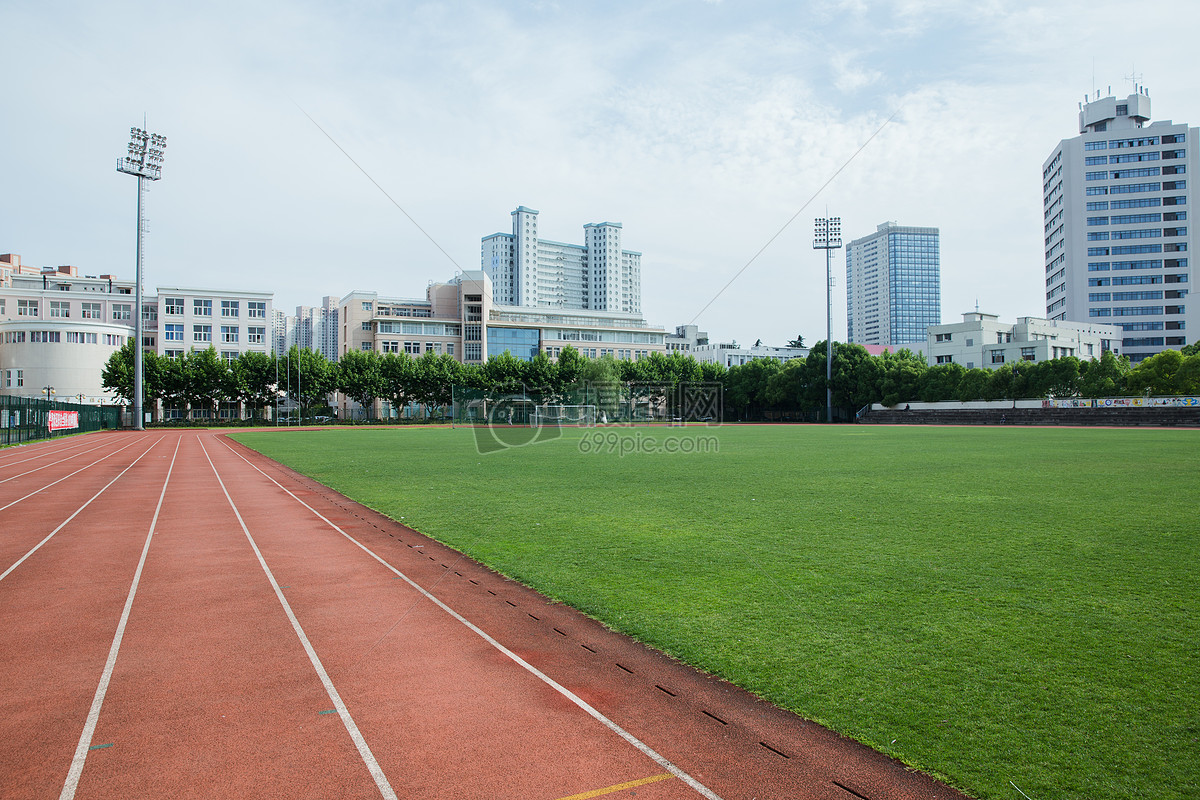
x: 144, y: 160
x: 49, y: 390
x: 827, y: 236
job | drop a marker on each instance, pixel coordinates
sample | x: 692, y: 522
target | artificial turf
x: 996, y: 606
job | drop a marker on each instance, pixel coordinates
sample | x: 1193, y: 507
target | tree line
x: 762, y: 388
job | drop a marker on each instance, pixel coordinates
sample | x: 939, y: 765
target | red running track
x: 180, y: 617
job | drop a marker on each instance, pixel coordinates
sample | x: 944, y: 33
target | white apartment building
x: 1116, y: 209
x: 893, y: 285
x: 982, y: 341
x: 731, y: 355
x: 59, y: 328
x: 529, y: 271
x: 179, y: 319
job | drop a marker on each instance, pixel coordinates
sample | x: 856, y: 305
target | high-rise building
x: 1115, y: 207
x: 527, y: 270
x: 893, y: 285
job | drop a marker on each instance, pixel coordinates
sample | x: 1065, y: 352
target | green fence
x: 589, y: 404
x: 24, y: 419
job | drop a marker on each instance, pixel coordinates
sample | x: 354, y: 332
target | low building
x: 59, y: 328
x: 460, y: 318
x: 731, y: 355
x: 982, y: 341
x: 685, y: 339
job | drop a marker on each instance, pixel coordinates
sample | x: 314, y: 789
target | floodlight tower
x: 827, y: 236
x: 145, y: 159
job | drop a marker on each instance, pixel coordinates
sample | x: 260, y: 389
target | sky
x: 318, y: 148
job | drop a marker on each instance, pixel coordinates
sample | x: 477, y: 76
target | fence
x: 603, y: 402
x: 24, y: 419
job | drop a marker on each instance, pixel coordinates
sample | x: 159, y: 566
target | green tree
x: 360, y: 377
x: 117, y: 374
x: 1156, y: 374
x: 747, y: 389
x: 797, y: 342
x: 940, y: 383
x: 254, y: 377
x: 973, y: 385
x: 313, y: 378
x: 208, y: 380
x: 1104, y: 377
x: 398, y: 376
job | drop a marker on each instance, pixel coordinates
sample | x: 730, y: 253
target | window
x: 429, y: 348
x: 202, y: 308
x: 258, y: 335
x: 1097, y: 176
x: 366, y: 346
x: 27, y: 308
x: 366, y: 306
x: 229, y: 334
x: 945, y: 359
x: 1028, y: 354
x: 229, y: 308
x: 173, y: 333
x: 1094, y: 190
x: 231, y: 356
x: 121, y: 311
x: 1097, y: 220
x: 256, y: 309
x: 366, y: 326
x: 941, y: 337
x: 997, y: 356
x: 60, y: 308
x: 450, y: 348
x: 90, y: 311
x: 173, y: 306
x: 202, y: 333
x: 414, y: 348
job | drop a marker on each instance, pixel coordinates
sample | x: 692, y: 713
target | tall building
x: 527, y: 270
x: 893, y: 285
x: 1115, y: 209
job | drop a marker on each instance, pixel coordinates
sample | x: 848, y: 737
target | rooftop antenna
x: 1135, y: 78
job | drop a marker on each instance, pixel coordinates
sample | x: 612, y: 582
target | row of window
x: 204, y: 333
x: 173, y: 306
x: 1144, y: 141
x: 58, y: 337
x: 1135, y: 311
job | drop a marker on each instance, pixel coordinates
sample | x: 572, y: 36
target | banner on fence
x: 1122, y: 402
x: 62, y: 420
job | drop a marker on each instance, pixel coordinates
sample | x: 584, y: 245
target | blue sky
x: 703, y: 127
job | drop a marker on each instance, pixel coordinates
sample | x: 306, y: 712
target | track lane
x: 213, y: 694
x: 25, y: 487
x: 12, y: 457
x: 370, y: 619
x: 25, y: 528
x: 59, y: 611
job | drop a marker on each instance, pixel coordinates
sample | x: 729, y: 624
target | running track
x: 180, y: 617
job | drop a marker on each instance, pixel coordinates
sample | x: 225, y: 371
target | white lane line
x: 50, y: 536
x: 50, y: 451
x: 646, y: 750
x: 51, y: 464
x: 89, y: 727
x: 381, y: 781
x: 76, y: 472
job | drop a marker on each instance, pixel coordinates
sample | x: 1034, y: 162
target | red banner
x: 63, y: 420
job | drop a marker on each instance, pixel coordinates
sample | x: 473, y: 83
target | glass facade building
x: 893, y: 285
x: 523, y: 343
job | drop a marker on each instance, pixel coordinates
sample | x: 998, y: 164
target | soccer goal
x: 559, y: 415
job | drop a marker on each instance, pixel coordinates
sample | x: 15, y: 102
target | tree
x: 360, y: 377
x: 1156, y: 374
x: 1105, y: 376
x: 747, y: 388
x: 434, y: 376
x: 117, y: 375
x: 398, y: 380
x: 207, y: 379
x: 313, y: 377
x: 254, y: 378
x: 798, y: 342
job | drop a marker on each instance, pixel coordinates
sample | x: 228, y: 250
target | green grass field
x: 988, y: 605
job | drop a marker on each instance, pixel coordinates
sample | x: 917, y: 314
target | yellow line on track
x: 619, y: 787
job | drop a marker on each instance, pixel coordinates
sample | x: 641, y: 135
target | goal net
x: 559, y: 415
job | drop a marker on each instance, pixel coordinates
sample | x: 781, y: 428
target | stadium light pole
x: 144, y: 161
x: 827, y: 236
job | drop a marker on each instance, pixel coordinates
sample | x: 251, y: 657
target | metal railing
x: 26, y: 419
